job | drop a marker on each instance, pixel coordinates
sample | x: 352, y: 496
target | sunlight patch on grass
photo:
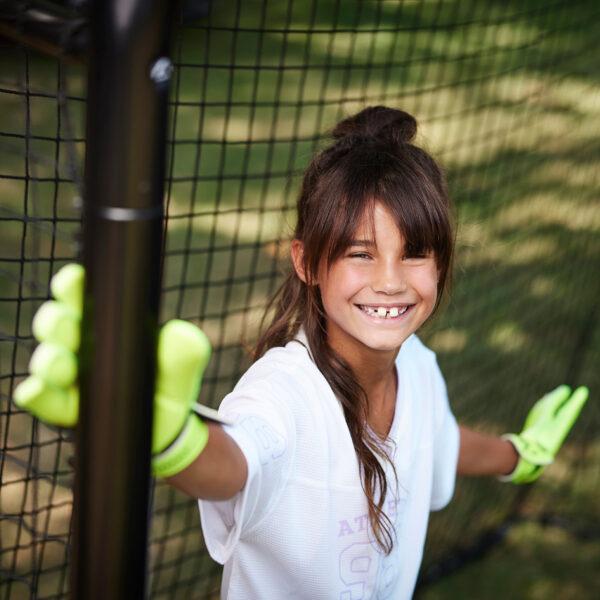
x: 569, y: 172
x: 522, y: 252
x: 546, y: 209
x: 579, y: 94
x: 471, y: 238
x: 541, y: 286
x: 508, y: 337
x: 278, y: 249
x: 229, y: 329
x: 21, y: 498
x: 341, y: 44
x: 244, y: 227
x: 449, y: 340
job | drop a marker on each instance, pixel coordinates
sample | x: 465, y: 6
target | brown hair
x: 372, y: 159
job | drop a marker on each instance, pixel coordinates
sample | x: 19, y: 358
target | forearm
x: 482, y: 454
x: 218, y: 473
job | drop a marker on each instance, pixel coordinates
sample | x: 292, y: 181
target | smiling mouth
x: 385, y: 312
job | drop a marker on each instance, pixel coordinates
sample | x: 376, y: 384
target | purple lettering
x: 362, y: 522
x: 345, y: 528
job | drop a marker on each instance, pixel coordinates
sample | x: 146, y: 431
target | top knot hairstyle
x: 378, y: 123
x: 372, y: 160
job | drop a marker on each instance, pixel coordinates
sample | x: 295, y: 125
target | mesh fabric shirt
x: 300, y: 527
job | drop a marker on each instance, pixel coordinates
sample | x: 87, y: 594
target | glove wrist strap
x: 183, y: 451
x: 525, y: 471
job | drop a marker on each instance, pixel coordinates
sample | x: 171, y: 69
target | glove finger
x: 55, y: 322
x: 547, y: 405
x: 57, y: 406
x: 67, y: 287
x: 54, y: 364
x: 183, y: 353
x: 567, y: 414
x: 557, y: 427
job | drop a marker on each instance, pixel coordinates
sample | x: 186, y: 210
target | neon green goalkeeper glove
x: 51, y: 391
x: 546, y: 427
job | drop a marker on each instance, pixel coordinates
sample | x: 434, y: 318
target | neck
x: 374, y: 373
x: 375, y: 370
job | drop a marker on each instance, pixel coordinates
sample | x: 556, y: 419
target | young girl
x: 344, y: 438
x: 341, y: 438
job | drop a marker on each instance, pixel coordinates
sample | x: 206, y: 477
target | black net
x: 41, y: 147
x: 506, y: 94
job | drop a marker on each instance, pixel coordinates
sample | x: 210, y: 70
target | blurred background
x: 507, y: 98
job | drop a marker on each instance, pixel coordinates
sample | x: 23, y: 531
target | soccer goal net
x: 506, y: 95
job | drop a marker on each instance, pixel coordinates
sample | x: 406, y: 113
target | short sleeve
x: 445, y: 446
x: 265, y: 434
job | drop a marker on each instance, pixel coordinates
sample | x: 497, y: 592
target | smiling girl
x: 341, y: 438
x: 344, y: 437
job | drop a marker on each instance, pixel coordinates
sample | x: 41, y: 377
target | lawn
x: 506, y: 95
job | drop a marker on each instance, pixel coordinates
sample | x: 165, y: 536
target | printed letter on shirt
x: 271, y: 444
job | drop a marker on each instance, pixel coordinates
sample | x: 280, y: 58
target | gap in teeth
x: 383, y: 313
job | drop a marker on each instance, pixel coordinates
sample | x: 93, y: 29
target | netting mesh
x: 506, y: 94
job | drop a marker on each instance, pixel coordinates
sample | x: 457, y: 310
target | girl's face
x: 374, y: 295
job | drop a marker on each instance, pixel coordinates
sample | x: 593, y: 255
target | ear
x: 297, y: 253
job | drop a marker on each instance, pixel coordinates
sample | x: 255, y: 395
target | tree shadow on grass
x: 526, y: 280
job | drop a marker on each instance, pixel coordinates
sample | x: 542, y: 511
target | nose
x: 389, y: 278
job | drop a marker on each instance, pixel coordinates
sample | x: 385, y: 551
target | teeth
x: 384, y: 313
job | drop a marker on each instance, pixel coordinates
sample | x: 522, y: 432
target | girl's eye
x: 417, y: 257
x: 359, y: 255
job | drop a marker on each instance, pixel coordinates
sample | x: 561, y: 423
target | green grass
x: 511, y: 108
x: 533, y: 563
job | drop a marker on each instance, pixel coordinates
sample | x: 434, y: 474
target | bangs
x: 340, y: 197
x: 416, y: 204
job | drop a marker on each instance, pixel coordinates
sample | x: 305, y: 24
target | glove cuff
x: 525, y: 471
x: 183, y: 451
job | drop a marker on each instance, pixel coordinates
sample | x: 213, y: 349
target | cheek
x: 426, y: 284
x: 352, y: 282
x: 342, y: 283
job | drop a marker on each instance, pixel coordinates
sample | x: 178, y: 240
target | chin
x: 383, y: 345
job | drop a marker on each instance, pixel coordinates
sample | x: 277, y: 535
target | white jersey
x: 300, y: 526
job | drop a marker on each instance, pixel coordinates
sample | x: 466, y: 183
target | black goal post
x: 126, y: 48
x: 128, y: 79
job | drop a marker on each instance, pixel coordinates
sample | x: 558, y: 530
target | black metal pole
x: 124, y: 169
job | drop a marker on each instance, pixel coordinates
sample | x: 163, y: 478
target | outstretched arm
x: 195, y: 456
x: 218, y: 473
x: 521, y: 458
x: 482, y: 454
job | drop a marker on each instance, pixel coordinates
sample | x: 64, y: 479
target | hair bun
x: 378, y: 123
